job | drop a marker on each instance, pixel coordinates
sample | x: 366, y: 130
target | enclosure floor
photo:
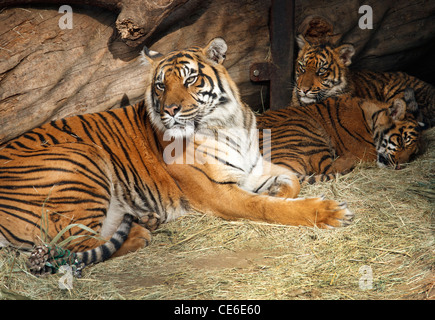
x: 203, y: 257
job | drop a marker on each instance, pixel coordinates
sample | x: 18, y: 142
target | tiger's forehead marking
x: 318, y: 54
x: 181, y: 63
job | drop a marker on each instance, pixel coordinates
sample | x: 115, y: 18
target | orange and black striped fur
x: 322, y: 71
x: 150, y: 163
x: 330, y: 137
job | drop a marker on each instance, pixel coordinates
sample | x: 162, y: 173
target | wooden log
x: 137, y: 19
x: 47, y: 73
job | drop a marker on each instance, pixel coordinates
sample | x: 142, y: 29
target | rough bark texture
x: 48, y: 73
x: 137, y: 19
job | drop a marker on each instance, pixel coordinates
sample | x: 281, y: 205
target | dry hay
x: 203, y: 257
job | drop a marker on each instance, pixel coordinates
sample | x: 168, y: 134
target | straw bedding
x: 387, y: 253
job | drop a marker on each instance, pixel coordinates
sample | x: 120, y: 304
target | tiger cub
x: 322, y: 71
x: 192, y: 145
x: 320, y: 140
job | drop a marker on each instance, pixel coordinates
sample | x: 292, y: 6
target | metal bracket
x: 261, y: 71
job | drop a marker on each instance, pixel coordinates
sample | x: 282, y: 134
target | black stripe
x: 263, y: 184
x: 8, y: 235
x: 85, y: 125
x: 212, y: 180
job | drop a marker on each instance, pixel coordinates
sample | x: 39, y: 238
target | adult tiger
x: 322, y: 71
x: 104, y: 169
x: 320, y: 140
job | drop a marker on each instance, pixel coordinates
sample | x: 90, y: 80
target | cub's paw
x: 331, y: 214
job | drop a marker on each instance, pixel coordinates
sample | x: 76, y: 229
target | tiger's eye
x: 160, y: 86
x: 322, y: 70
x: 190, y: 80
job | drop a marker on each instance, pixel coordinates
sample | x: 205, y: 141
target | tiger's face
x: 190, y: 89
x: 321, y: 71
x: 396, y: 135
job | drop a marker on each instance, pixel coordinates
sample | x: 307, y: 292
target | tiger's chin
x: 307, y: 100
x: 383, y: 162
x: 179, y: 130
x: 381, y: 165
x: 390, y: 166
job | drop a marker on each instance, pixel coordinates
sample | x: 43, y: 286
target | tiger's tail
x: 315, y: 178
x: 107, y: 249
x: 47, y: 259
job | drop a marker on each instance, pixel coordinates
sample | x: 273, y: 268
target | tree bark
x: 48, y: 73
x: 137, y: 19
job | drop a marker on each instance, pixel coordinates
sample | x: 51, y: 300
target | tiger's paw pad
x: 150, y: 222
x: 331, y: 214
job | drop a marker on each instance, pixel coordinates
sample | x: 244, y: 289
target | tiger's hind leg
x: 63, y: 189
x: 343, y: 164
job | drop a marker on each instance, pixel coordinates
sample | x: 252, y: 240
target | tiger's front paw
x: 331, y: 214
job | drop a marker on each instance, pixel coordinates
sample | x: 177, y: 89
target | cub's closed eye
x: 408, y: 140
x: 160, y: 86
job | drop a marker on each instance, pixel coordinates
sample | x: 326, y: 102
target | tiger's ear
x: 148, y: 57
x: 300, y: 40
x: 216, y: 50
x: 398, y: 110
x: 345, y: 53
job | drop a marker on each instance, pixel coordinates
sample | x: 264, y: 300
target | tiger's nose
x: 383, y: 160
x: 305, y: 90
x: 172, y: 110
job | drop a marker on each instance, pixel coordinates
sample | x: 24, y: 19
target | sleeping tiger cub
x: 124, y: 172
x: 322, y: 71
x: 320, y: 140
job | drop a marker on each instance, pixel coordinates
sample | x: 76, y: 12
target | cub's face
x: 399, y: 144
x: 190, y: 89
x: 397, y: 136
x: 321, y: 71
